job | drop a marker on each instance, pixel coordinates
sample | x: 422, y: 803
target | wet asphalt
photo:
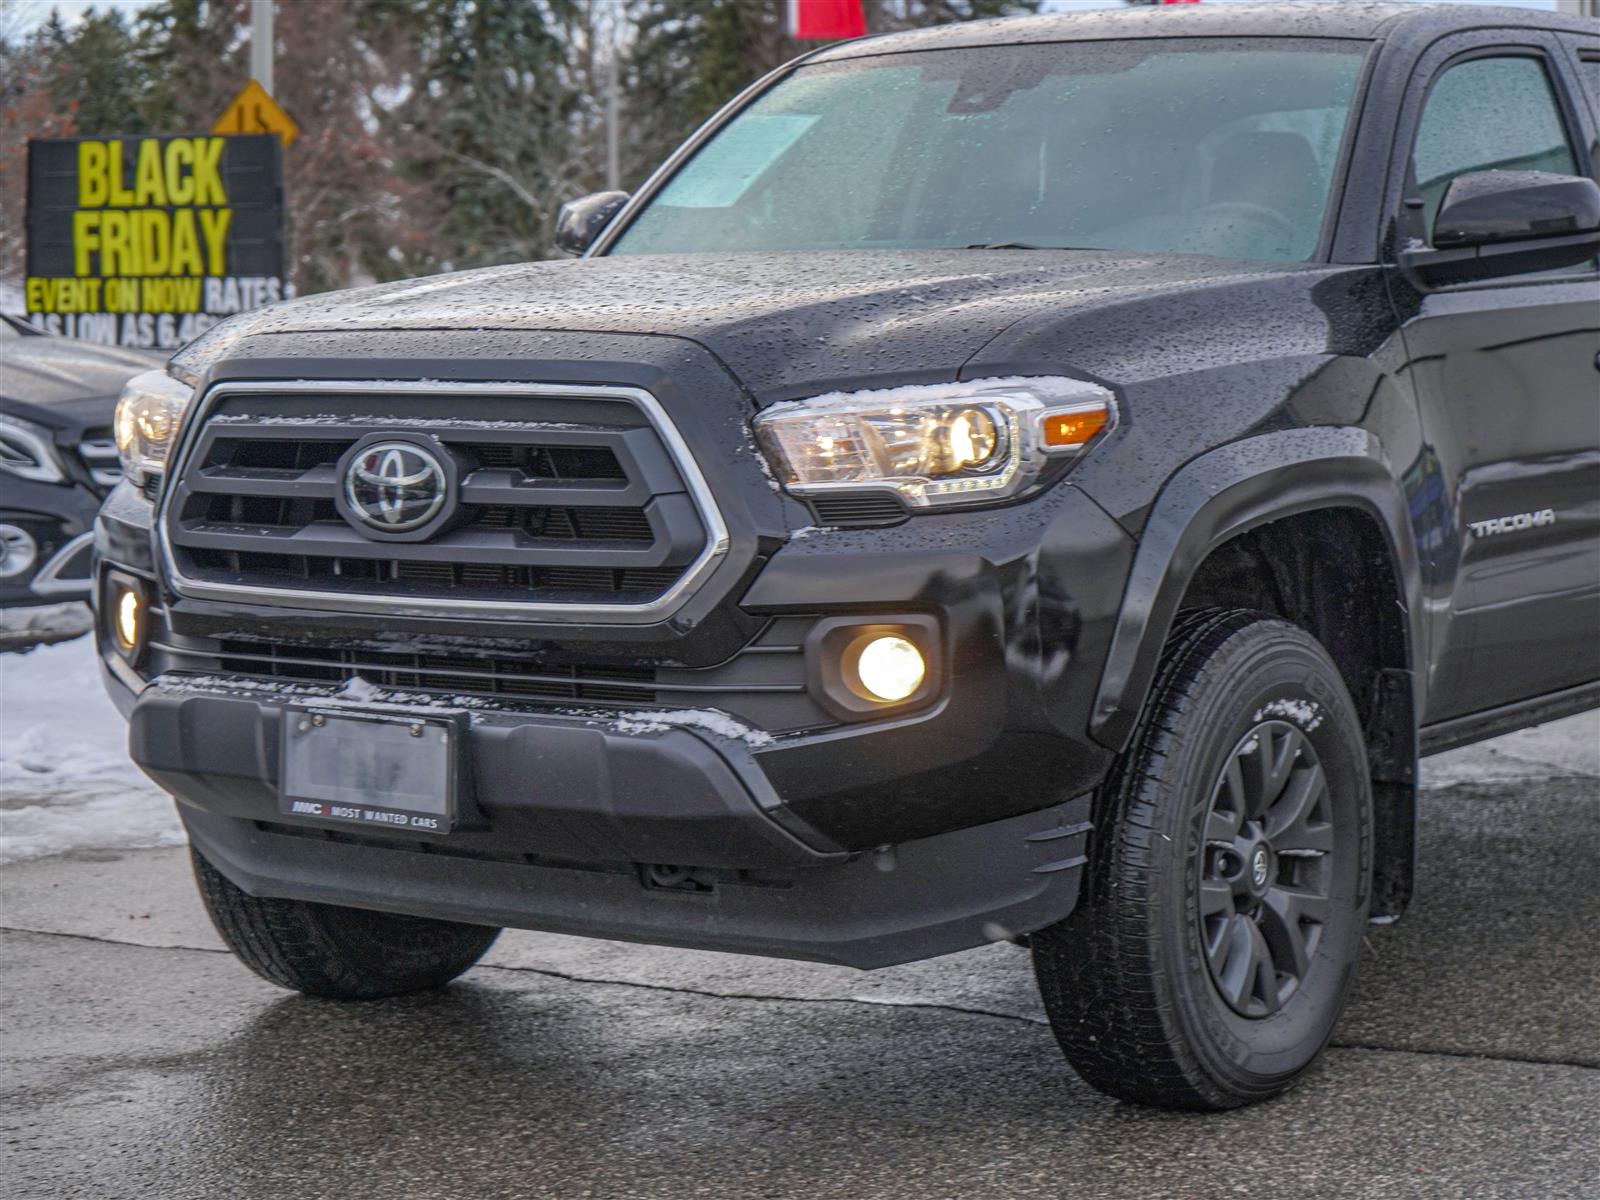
x: 138, y: 1060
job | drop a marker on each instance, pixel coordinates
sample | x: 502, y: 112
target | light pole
x: 613, y: 118
x: 261, y: 43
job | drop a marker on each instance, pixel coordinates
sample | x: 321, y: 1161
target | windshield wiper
x: 1017, y: 246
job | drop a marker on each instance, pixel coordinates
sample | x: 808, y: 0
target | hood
x: 786, y: 325
x: 62, y: 382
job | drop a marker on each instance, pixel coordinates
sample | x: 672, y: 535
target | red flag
x: 826, y: 20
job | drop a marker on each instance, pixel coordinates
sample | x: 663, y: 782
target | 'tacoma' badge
x: 1513, y: 523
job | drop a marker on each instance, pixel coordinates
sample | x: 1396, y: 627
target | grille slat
x: 497, y: 675
x: 98, y: 450
x: 436, y: 672
x: 560, y: 499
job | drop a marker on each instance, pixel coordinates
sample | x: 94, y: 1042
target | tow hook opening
x: 664, y: 877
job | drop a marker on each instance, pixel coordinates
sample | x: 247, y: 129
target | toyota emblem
x: 395, y: 487
x: 1260, y: 868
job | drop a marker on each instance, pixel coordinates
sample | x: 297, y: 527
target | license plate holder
x: 377, y: 770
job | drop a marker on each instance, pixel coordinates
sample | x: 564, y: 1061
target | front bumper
x: 45, y: 557
x: 670, y: 836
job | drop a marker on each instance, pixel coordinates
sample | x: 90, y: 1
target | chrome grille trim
x: 716, y: 540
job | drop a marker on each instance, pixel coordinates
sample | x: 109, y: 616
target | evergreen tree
x: 96, y: 73
x: 193, y: 55
x: 491, y: 120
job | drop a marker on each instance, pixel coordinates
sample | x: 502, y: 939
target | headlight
x: 28, y: 451
x: 941, y: 444
x: 148, y: 414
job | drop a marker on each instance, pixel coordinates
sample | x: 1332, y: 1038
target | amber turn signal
x: 1072, y: 428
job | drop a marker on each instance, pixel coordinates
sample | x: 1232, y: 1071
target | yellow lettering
x: 214, y: 222
x: 180, y: 187
x: 85, y: 239
x: 117, y: 249
x: 171, y: 295
x: 185, y: 245
x: 92, y: 179
x: 64, y: 295
x: 208, y: 171
x: 149, y: 187
x: 120, y: 196
x: 155, y: 240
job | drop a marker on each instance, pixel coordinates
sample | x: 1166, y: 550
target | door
x: 1505, y: 377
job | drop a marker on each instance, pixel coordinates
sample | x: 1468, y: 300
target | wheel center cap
x: 1260, y: 865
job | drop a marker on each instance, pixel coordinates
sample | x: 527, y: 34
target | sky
x: 35, y: 11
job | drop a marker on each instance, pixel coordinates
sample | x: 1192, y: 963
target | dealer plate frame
x: 433, y: 744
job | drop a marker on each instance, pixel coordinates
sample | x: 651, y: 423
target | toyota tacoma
x: 1044, y: 480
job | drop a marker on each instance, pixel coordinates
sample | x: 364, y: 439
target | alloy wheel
x: 1265, y: 872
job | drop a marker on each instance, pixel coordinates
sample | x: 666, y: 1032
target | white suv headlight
x: 935, y: 445
x: 148, y: 414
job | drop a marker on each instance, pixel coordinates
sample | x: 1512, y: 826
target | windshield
x: 1210, y: 146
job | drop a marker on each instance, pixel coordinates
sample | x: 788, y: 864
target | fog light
x: 889, y: 668
x: 122, y: 609
x: 130, y: 617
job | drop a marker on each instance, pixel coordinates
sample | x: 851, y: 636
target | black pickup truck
x: 1042, y: 480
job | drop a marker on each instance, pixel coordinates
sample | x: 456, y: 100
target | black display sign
x: 147, y: 241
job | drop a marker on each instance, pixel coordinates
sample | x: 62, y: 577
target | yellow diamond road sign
x: 254, y: 111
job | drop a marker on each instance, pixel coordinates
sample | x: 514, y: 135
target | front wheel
x: 1229, y: 880
x: 340, y: 953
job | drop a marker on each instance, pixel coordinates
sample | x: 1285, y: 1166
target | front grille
x: 485, y: 674
x: 562, y: 499
x: 763, y: 685
x: 99, y: 454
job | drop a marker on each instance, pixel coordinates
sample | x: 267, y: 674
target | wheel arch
x: 1312, y: 525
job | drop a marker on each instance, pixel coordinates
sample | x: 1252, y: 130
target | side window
x: 1590, y: 66
x: 1489, y: 114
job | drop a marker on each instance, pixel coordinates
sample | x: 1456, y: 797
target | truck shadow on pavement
x: 514, y: 1079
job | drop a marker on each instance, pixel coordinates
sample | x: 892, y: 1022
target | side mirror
x: 580, y: 221
x: 1495, y: 223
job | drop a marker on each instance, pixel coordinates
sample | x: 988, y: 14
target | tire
x: 1155, y: 988
x: 339, y: 953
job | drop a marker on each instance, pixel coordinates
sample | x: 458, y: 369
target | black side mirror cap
x: 580, y: 221
x: 1498, y: 223
x: 1486, y: 207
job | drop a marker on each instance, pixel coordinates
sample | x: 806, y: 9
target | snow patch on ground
x: 24, y: 628
x: 65, y: 779
x: 709, y: 719
x: 1566, y: 748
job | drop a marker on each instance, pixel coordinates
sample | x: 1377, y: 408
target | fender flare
x: 1226, y: 492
